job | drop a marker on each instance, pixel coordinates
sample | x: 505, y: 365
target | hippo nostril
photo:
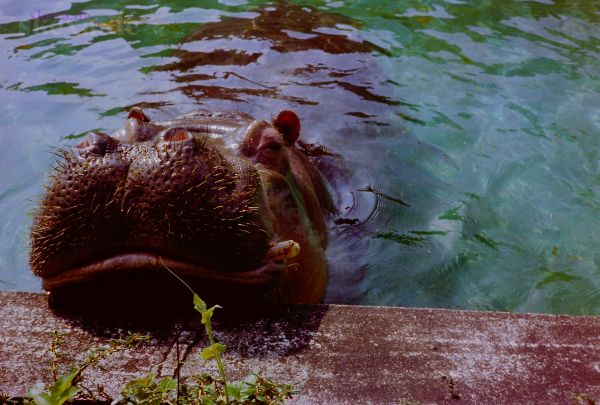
x: 83, y: 144
x: 177, y: 135
x: 97, y: 143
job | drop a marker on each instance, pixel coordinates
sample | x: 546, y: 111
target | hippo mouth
x: 131, y: 262
x: 145, y: 262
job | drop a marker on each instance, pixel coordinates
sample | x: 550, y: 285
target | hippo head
x: 226, y: 202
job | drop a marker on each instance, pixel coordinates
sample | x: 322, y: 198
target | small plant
x: 214, y: 350
x: 57, y: 356
x: 253, y: 389
x: 66, y: 387
x: 202, y: 389
x: 149, y: 390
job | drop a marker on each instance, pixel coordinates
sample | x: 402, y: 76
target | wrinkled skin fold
x: 216, y: 197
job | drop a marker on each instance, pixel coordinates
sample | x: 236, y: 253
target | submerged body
x: 221, y: 199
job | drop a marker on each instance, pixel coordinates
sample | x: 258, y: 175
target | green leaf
x: 61, y: 391
x: 147, y: 390
x: 212, y: 351
x: 208, y: 401
x: 199, y: 305
x: 210, y: 389
x: 234, y: 389
x: 67, y: 395
x: 248, y: 389
x: 207, y: 315
x: 251, y: 379
x: 167, y: 384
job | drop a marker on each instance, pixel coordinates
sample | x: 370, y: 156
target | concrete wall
x: 333, y: 354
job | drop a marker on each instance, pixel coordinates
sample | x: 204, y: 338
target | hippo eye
x: 176, y: 135
x: 274, y: 146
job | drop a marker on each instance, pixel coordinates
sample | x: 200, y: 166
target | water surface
x: 468, y: 131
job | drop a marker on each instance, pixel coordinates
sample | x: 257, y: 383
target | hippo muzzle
x: 218, y: 198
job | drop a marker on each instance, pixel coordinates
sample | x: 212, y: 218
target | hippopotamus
x: 228, y: 203
x: 233, y: 205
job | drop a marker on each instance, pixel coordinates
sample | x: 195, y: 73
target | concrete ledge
x: 335, y: 354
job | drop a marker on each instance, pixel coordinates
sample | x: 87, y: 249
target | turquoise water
x: 469, y: 131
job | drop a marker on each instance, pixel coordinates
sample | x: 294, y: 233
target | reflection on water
x: 461, y: 140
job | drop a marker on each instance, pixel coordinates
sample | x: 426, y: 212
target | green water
x: 469, y: 130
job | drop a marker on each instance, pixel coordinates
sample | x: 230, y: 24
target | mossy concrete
x: 333, y: 354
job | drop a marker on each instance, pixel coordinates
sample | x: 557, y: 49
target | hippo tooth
x: 284, y: 250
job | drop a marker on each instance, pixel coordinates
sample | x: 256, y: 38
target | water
x: 469, y: 131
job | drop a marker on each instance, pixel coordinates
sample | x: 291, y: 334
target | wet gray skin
x: 207, y: 194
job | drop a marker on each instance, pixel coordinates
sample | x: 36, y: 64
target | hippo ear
x: 138, y: 113
x: 288, y: 124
